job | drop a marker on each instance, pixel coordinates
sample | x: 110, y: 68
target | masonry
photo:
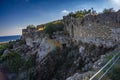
x: 32, y: 34
x: 103, y: 28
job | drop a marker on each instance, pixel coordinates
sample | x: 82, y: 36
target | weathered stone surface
x: 102, y: 29
x: 6, y: 52
x: 32, y: 35
x: 84, y: 76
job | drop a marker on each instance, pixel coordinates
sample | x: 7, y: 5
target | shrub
x: 1, y: 51
x: 29, y: 62
x: 20, y: 42
x: 53, y: 27
x: 12, y: 60
x: 4, y: 47
x: 9, y: 45
x: 80, y: 14
x: 108, y: 10
x: 28, y: 74
x: 115, y: 73
x: 30, y: 26
x: 15, y: 62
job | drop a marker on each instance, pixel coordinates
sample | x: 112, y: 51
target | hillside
x: 70, y: 49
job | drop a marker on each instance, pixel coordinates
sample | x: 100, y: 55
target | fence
x: 105, y: 69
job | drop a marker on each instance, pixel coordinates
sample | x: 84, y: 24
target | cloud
x: 115, y: 3
x: 65, y: 12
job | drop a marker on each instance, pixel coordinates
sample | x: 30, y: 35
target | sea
x: 9, y: 38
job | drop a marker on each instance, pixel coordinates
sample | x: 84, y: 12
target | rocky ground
x: 76, y: 61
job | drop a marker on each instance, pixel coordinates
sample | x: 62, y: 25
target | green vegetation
x: 53, y: 27
x: 115, y: 74
x: 12, y: 60
x: 6, y: 46
x: 20, y: 42
x: 108, y: 10
x: 80, y: 14
x: 30, y: 26
x: 109, y: 57
x: 9, y: 45
x: 15, y: 62
x: 29, y: 62
x: 64, y: 61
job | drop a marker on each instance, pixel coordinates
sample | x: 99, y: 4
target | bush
x: 108, y: 10
x: 12, y: 60
x: 20, y: 42
x: 15, y: 62
x: 28, y: 75
x: 53, y: 27
x: 29, y: 62
x: 30, y: 26
x: 10, y: 44
x: 115, y: 73
x: 4, y: 47
x: 80, y: 14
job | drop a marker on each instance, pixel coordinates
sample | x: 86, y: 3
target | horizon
x: 19, y: 13
x: 10, y: 35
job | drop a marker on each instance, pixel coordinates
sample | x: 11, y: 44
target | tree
x: 30, y: 26
x: 80, y: 13
x: 71, y: 14
x: 53, y: 27
x: 108, y: 10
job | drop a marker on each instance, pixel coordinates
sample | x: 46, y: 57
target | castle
x: 96, y: 36
x: 100, y: 29
x: 32, y: 34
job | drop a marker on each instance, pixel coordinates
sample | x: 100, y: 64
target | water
x: 9, y: 38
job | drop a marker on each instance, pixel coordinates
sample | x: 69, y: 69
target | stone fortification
x: 99, y: 29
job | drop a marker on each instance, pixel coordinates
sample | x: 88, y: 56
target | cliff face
x: 99, y: 29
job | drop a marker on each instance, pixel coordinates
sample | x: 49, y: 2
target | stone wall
x: 100, y: 29
x: 32, y: 35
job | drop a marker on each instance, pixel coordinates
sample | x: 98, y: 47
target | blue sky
x: 17, y: 14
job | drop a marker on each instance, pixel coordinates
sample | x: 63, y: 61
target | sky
x: 17, y: 14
